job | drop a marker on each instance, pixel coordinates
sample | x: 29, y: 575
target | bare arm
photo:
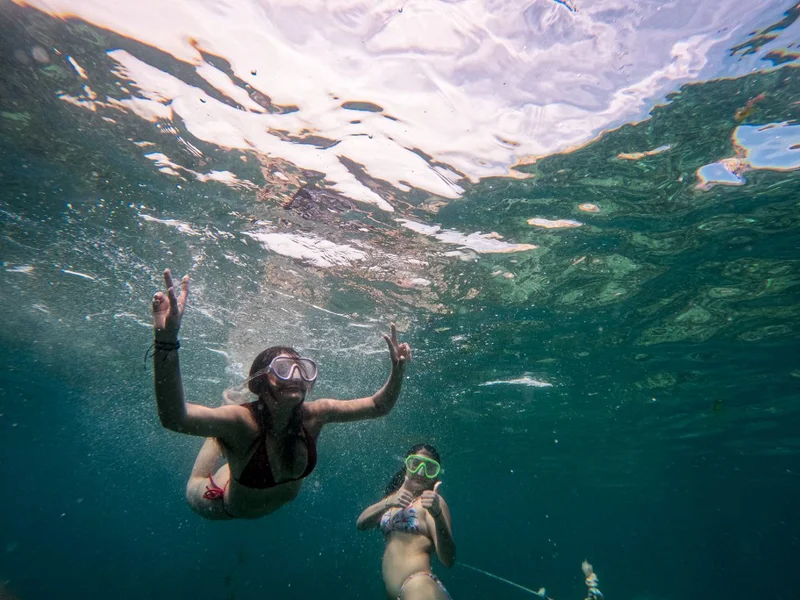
x: 370, y: 407
x: 371, y: 517
x: 173, y: 410
x: 178, y: 415
x: 378, y: 404
x: 441, y: 526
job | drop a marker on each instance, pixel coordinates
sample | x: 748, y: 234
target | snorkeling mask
x: 283, y: 368
x: 417, y: 463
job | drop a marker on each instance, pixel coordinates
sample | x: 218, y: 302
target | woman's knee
x: 193, y: 489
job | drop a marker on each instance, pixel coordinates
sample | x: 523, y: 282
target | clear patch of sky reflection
x: 774, y: 147
x: 444, y: 91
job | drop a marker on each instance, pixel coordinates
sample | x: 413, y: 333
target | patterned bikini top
x: 400, y: 519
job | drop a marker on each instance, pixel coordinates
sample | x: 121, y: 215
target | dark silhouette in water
x: 315, y: 204
x: 5, y: 593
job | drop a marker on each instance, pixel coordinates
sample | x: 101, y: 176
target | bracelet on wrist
x: 161, y: 346
x: 166, y: 346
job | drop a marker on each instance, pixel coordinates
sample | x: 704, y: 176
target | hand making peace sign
x: 399, y: 353
x: 168, y: 309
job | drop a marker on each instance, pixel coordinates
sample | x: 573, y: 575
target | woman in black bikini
x: 269, y: 444
x: 415, y: 521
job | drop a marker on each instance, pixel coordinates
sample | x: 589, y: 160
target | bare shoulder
x: 242, y: 417
x: 319, y: 405
x: 236, y: 417
x: 239, y: 424
x: 235, y: 412
x: 315, y: 411
x: 226, y: 422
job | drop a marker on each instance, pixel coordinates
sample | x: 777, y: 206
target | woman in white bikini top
x: 415, y: 520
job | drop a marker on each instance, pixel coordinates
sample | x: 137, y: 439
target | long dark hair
x: 396, y: 482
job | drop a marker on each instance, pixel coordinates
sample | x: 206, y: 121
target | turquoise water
x: 625, y: 392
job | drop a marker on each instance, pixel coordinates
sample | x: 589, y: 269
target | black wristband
x: 157, y: 346
x: 167, y: 346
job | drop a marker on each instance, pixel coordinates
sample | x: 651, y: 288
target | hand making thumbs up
x: 430, y: 501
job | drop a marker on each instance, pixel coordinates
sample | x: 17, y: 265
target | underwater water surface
x: 583, y: 217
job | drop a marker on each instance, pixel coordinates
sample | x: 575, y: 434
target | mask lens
x: 413, y: 464
x: 282, y: 367
x: 308, y: 369
x: 431, y: 469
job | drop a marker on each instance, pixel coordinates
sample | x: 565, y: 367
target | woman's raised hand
x: 168, y: 309
x: 401, y: 498
x: 399, y: 353
x: 430, y: 500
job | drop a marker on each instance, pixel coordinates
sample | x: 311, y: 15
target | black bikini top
x: 257, y: 474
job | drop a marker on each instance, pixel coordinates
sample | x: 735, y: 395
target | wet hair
x: 397, y: 479
x: 258, y: 385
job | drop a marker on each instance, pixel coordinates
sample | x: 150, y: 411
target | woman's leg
x: 205, y: 491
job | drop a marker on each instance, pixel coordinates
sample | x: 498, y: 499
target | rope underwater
x: 539, y: 594
x: 591, y: 582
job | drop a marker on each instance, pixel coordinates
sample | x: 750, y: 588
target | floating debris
x: 528, y: 381
x: 78, y: 69
x: 640, y: 155
x: 482, y: 243
x: 557, y: 224
x: 748, y: 108
x: 20, y: 269
x: 77, y: 274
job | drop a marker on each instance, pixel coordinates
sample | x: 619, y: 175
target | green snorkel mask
x: 417, y: 464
